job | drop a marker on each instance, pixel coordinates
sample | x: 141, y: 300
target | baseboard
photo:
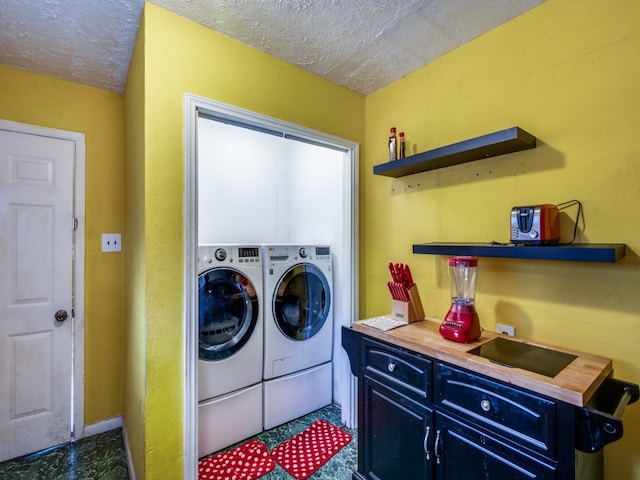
x: 102, y: 427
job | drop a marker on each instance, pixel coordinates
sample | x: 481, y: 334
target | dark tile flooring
x: 99, y: 457
x: 102, y: 457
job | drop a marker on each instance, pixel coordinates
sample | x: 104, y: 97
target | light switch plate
x: 111, y: 242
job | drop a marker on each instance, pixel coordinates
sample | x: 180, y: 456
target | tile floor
x: 102, y: 457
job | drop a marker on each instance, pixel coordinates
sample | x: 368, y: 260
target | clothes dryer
x: 298, y: 336
x: 230, y: 345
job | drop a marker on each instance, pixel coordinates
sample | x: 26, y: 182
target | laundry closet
x: 275, y: 240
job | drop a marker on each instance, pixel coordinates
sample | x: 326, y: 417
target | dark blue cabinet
x: 423, y: 419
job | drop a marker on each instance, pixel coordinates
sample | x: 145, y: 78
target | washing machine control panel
x: 249, y: 253
x: 208, y: 254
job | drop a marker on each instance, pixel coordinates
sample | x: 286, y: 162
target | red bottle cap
x: 401, y: 134
x: 393, y: 129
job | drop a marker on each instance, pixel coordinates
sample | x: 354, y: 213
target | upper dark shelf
x: 575, y: 252
x: 510, y: 140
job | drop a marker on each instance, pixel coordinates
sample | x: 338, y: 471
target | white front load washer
x: 230, y: 350
x: 298, y: 333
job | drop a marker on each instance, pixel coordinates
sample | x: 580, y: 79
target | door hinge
x: 74, y: 223
x: 73, y: 314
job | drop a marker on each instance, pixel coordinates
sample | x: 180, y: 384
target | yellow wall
x: 179, y: 56
x: 135, y: 272
x: 568, y: 76
x: 39, y: 100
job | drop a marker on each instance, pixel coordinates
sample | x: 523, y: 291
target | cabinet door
x: 397, y: 437
x: 463, y: 453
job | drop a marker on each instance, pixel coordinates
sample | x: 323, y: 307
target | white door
x: 36, y: 278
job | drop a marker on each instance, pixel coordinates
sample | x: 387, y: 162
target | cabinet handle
x: 425, y: 444
x: 436, y: 447
x: 485, y: 405
x: 391, y: 367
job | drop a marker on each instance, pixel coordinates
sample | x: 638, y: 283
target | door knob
x: 61, y: 315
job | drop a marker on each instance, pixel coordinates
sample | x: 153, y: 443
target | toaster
x: 535, y: 225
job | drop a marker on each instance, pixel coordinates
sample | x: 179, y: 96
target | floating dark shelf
x: 512, y: 139
x: 576, y: 252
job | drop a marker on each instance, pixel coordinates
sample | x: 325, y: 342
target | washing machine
x: 298, y: 333
x: 230, y: 350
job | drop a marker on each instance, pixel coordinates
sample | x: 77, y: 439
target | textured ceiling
x: 363, y: 45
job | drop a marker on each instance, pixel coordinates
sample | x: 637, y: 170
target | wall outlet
x: 507, y: 329
x: 111, y: 242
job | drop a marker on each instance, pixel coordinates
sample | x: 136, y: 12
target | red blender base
x: 461, y: 324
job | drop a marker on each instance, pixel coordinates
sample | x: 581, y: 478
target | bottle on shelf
x: 401, y: 153
x: 393, y: 145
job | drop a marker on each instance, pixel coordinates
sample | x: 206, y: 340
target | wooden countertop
x: 575, y: 384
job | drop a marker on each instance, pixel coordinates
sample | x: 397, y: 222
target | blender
x: 461, y: 323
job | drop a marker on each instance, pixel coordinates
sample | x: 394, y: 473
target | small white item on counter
x: 383, y: 323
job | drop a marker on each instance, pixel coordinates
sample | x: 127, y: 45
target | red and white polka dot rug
x: 246, y: 462
x: 307, y: 451
x: 300, y: 456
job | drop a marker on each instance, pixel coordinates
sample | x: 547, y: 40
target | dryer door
x: 301, y: 301
x: 227, y: 312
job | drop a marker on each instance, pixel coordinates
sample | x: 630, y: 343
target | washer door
x: 301, y: 302
x: 227, y: 312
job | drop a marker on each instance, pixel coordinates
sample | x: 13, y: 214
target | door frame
x: 77, y: 370
x: 193, y: 105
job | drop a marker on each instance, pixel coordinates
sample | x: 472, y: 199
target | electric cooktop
x: 521, y: 355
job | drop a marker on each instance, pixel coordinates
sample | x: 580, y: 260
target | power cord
x: 493, y: 243
x: 571, y: 203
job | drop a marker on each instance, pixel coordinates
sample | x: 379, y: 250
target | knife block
x: 408, y: 312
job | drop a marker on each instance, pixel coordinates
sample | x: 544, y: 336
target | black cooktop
x: 521, y: 355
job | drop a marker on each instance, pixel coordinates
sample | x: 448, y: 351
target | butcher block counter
x: 575, y: 384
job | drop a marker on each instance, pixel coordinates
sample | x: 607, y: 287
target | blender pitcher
x: 462, y: 323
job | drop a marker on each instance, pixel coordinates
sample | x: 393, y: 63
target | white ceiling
x: 363, y: 45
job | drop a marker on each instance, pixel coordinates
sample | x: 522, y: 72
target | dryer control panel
x: 291, y: 253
